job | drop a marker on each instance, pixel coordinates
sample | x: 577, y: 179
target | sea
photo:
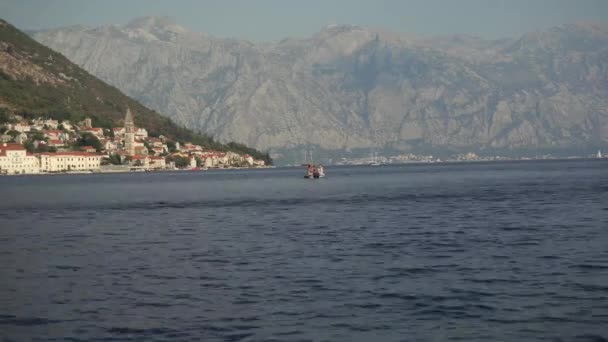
x: 497, y: 251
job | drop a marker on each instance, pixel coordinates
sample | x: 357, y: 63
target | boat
x: 374, y: 161
x: 599, y: 154
x: 314, y: 171
x: 320, y: 171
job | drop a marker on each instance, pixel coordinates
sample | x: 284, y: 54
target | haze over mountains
x: 349, y: 88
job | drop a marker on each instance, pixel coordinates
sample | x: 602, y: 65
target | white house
x: 118, y: 131
x: 14, y: 159
x: 248, y: 159
x: 157, y: 162
x: 22, y: 127
x: 52, y: 124
x: 141, y: 133
x: 67, y: 125
x: 21, y: 138
x: 109, y: 145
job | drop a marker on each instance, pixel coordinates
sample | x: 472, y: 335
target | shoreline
x: 133, y: 171
x: 292, y: 166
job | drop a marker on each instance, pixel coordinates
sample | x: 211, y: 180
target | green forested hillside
x: 37, y: 81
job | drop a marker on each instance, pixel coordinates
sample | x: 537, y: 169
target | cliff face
x: 349, y: 87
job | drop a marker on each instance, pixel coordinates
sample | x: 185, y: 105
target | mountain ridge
x: 348, y: 87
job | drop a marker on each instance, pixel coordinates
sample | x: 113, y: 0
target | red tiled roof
x: 71, y: 153
x: 12, y: 147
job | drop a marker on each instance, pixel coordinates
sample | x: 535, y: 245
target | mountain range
x: 350, y: 89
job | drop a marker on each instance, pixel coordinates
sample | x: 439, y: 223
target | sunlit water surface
x: 473, y: 252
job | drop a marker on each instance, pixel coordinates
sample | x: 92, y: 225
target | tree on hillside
x: 88, y: 139
x: 171, y: 146
x: 180, y: 162
x: 13, y: 133
x: 4, y: 115
x: 37, y: 135
x: 114, y: 159
x: 148, y: 147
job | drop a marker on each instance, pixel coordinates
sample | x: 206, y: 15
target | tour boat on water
x: 314, y: 171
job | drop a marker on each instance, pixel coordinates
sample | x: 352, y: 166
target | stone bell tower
x: 129, y: 133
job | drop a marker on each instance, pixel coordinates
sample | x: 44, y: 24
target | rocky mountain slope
x: 37, y: 81
x: 349, y: 88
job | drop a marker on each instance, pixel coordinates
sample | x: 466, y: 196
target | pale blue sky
x: 268, y: 20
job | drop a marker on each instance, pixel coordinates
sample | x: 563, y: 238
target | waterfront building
x: 14, y: 159
x: 156, y: 162
x: 69, y: 161
x: 249, y: 159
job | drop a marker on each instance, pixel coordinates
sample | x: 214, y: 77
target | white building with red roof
x: 156, y: 162
x: 55, y: 143
x: 14, y: 159
x: 141, y: 133
x: 89, y: 149
x: 69, y: 161
x: 56, y: 134
x: 248, y: 159
x: 109, y: 145
x: 158, y: 151
x: 118, y: 131
x: 21, y: 127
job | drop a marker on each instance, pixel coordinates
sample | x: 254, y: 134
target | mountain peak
x: 340, y: 28
x: 151, y: 22
x: 154, y: 28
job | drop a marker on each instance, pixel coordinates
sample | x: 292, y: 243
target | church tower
x: 129, y: 133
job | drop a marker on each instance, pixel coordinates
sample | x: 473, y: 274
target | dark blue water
x: 472, y: 252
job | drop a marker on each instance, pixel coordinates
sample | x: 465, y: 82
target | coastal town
x: 45, y: 146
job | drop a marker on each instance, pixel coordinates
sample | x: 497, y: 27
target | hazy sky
x: 266, y: 20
